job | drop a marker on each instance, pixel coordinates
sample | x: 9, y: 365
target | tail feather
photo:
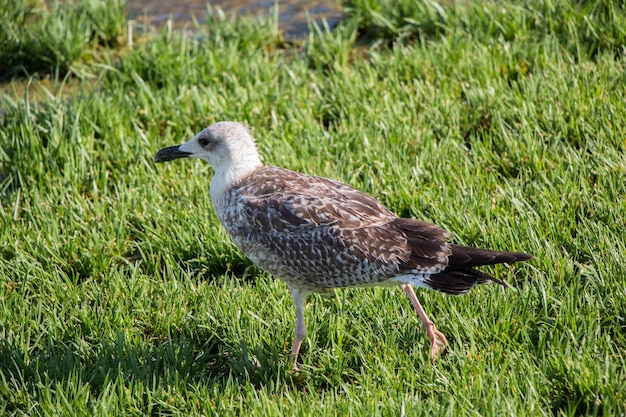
x: 456, y: 264
x: 461, y: 275
x: 460, y: 281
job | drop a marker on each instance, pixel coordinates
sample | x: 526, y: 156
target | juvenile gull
x: 317, y: 234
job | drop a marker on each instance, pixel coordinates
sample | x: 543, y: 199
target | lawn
x: 501, y: 121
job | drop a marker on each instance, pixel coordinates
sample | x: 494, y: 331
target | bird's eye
x: 203, y: 142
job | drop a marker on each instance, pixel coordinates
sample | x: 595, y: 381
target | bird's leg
x: 299, y: 299
x: 437, y: 339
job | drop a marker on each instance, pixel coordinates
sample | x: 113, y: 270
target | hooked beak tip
x: 170, y: 153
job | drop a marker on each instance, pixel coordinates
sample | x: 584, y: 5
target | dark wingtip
x: 170, y: 153
x: 520, y: 256
x: 463, y: 257
x: 460, y: 275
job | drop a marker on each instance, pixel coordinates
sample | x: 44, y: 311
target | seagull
x: 317, y: 234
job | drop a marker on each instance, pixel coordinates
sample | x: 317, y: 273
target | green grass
x: 57, y: 37
x: 120, y: 294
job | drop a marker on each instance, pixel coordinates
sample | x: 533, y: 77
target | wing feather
x: 346, y: 236
x: 276, y: 199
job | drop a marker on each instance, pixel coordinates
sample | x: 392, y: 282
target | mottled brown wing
x: 279, y: 198
x: 429, y: 250
x: 296, y: 208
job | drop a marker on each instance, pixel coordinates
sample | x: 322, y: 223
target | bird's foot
x: 293, y: 357
x: 438, y: 341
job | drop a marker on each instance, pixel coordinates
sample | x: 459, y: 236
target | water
x: 293, y: 15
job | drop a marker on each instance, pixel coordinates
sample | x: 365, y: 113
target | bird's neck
x: 226, y: 177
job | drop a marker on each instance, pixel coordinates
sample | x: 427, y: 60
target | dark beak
x: 170, y: 153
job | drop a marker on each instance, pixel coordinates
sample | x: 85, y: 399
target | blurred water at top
x: 293, y: 14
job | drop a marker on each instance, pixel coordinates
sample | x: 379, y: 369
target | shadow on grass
x: 175, y: 364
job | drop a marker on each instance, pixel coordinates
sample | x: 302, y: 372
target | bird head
x: 227, y: 146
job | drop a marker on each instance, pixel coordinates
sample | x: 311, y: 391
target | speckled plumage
x: 317, y: 234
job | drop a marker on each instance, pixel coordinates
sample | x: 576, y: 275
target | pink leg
x: 299, y: 299
x: 437, y: 339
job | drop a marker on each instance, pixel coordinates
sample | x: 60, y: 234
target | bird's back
x: 318, y: 234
